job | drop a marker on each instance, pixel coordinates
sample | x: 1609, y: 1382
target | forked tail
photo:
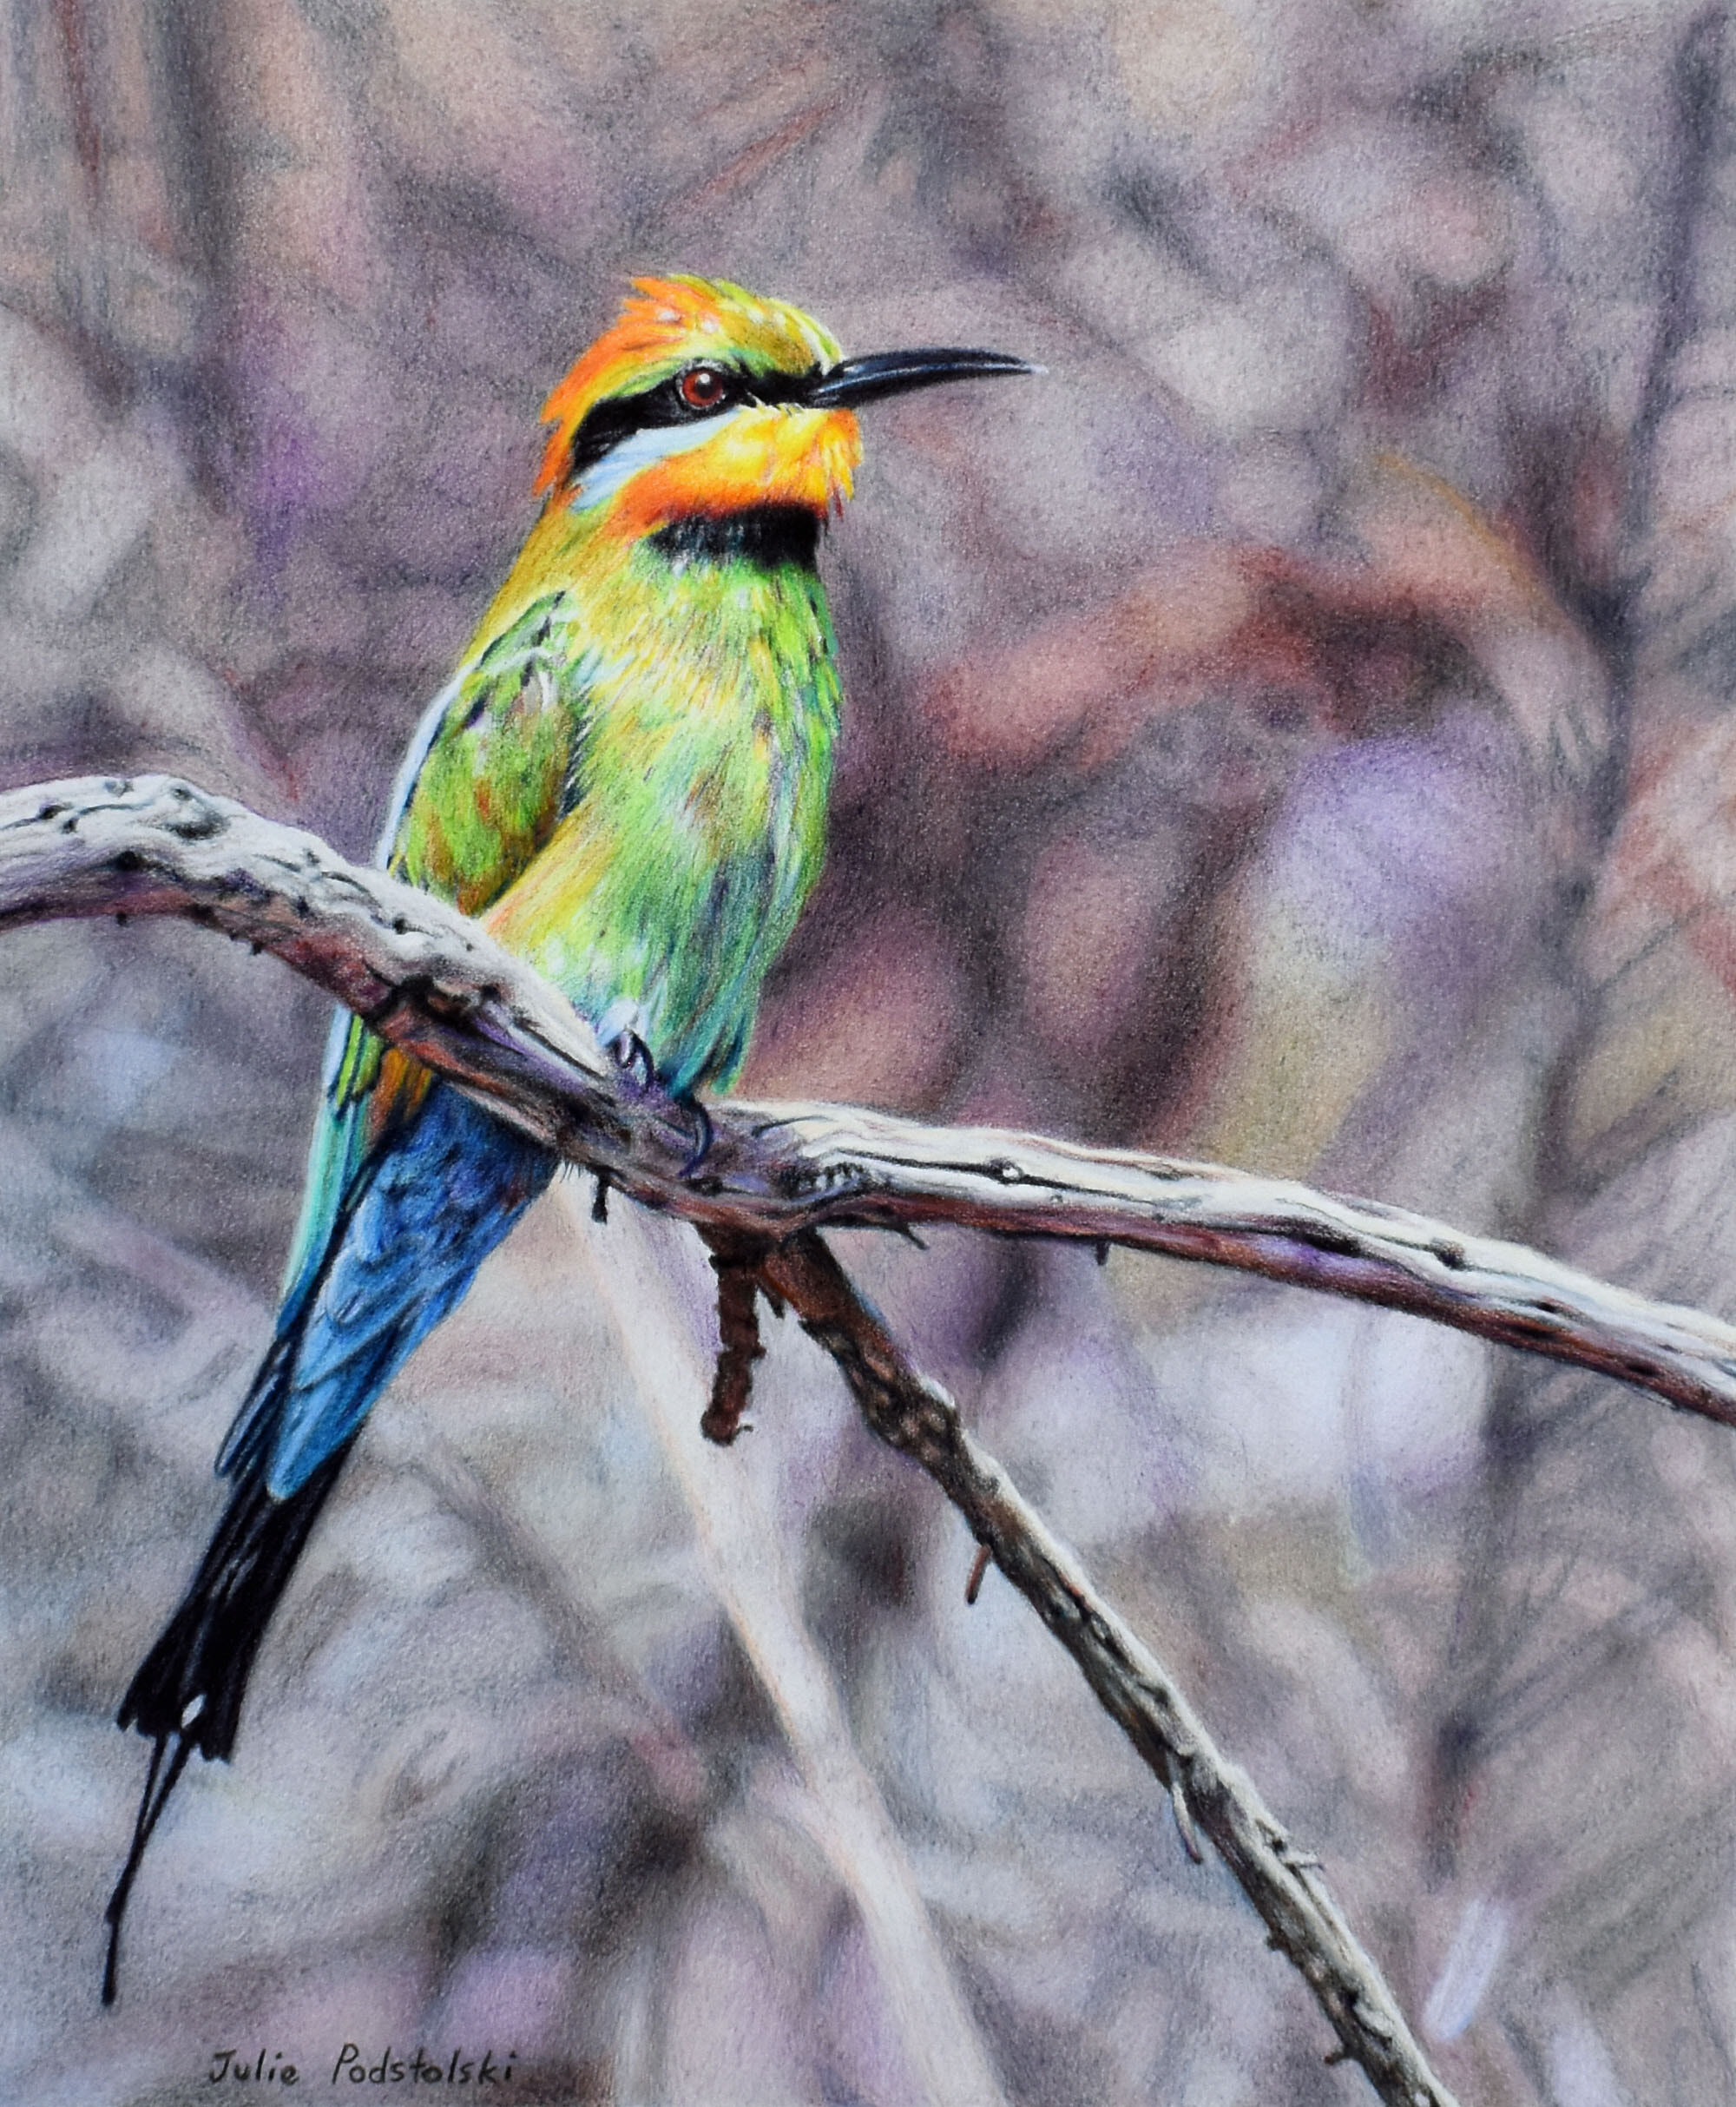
x: 188, y: 1690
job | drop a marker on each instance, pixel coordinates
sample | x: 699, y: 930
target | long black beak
x: 859, y: 380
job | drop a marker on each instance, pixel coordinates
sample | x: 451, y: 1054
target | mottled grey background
x: 1297, y: 731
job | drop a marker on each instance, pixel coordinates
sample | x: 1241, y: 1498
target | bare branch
x: 915, y: 1417
x: 436, y: 984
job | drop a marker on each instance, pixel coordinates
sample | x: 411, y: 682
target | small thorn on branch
x: 979, y: 1566
x: 739, y: 1342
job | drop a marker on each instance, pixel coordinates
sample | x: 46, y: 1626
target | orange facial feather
x: 767, y: 457
x: 666, y: 324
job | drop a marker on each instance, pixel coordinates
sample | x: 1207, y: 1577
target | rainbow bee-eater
x: 626, y: 782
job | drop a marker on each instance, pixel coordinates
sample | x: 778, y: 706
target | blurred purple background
x: 1295, y: 732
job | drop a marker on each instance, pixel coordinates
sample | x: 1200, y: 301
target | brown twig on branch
x: 440, y: 988
x: 737, y: 1264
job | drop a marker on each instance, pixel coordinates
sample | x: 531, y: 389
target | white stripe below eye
x: 640, y: 448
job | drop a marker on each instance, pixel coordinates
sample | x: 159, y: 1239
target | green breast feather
x: 695, y: 826
x: 629, y: 786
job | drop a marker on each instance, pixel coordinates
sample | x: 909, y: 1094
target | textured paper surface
x: 1295, y: 731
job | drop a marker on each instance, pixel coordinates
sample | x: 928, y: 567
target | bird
x: 626, y: 782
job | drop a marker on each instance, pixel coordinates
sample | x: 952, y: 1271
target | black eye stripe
x: 604, y: 428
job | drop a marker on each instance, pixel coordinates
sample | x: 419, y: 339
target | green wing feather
x: 497, y: 764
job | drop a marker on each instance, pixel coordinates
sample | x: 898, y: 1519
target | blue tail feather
x: 419, y: 1221
x: 442, y: 1196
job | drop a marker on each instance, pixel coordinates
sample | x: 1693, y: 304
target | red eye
x: 703, y: 387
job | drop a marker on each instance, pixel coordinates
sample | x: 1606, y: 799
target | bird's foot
x: 705, y: 1134
x: 633, y: 1057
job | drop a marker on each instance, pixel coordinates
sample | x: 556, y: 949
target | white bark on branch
x: 437, y: 986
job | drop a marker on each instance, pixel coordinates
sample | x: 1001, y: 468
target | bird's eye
x: 702, y: 387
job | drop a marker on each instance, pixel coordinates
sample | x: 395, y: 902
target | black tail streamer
x: 188, y: 1690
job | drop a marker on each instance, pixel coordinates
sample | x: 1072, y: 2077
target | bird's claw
x: 633, y: 1057
x: 707, y: 1135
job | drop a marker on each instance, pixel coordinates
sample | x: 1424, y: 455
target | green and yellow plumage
x: 626, y: 782
x: 628, y: 779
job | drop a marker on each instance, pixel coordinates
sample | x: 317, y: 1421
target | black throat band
x: 767, y: 535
